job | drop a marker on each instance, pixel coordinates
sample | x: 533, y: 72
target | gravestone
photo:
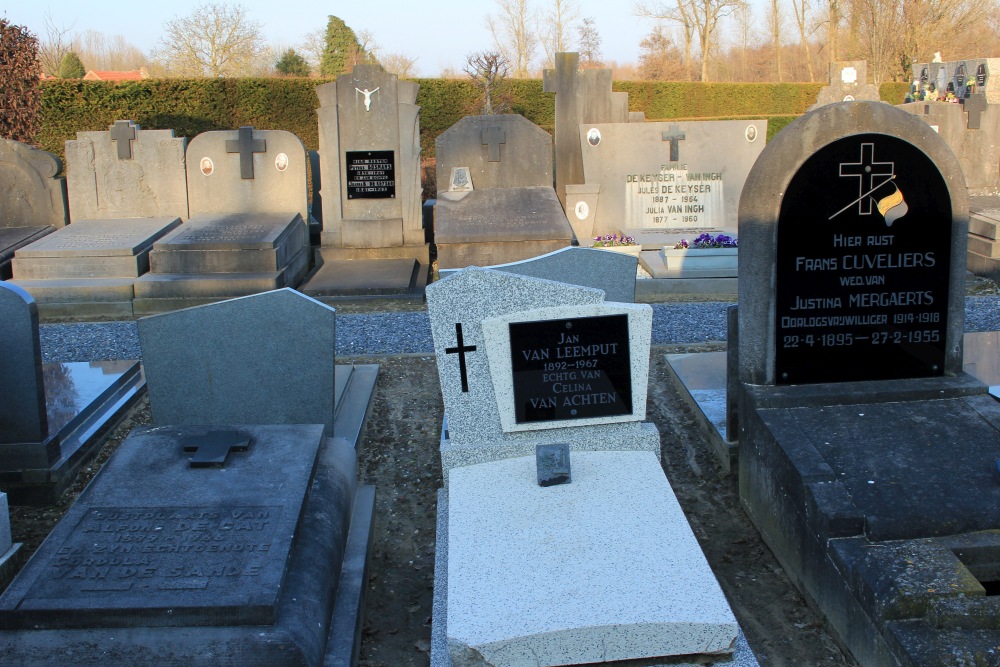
x: 525, y: 363
x: 369, y: 148
x: 661, y: 181
x: 861, y: 440
x: 582, y: 97
x: 126, y: 172
x: 589, y: 267
x: 32, y: 198
x: 509, y: 211
x: 261, y: 359
x: 247, y: 231
x: 848, y: 83
x: 10, y: 552
x: 52, y: 416
x: 170, y: 557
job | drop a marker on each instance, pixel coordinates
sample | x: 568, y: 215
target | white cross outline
x: 864, y: 201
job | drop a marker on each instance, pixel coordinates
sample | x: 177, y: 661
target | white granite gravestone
x: 247, y: 232
x: 32, y: 199
x: 527, y: 362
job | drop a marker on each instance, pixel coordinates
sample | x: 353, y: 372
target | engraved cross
x: 493, y: 137
x: 674, y: 136
x: 246, y: 146
x: 460, y: 349
x: 123, y: 134
x: 212, y: 449
x: 866, y: 171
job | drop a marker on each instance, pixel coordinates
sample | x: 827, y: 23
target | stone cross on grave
x: 246, y: 146
x: 674, y: 136
x: 867, y: 168
x: 974, y: 105
x: 460, y: 349
x: 123, y: 133
x: 493, y: 137
x: 212, y: 449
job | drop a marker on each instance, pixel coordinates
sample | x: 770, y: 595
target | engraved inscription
x: 232, y: 233
x: 146, y: 550
x: 371, y: 174
x: 91, y: 241
x: 675, y: 198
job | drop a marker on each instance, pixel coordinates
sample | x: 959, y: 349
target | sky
x: 438, y: 33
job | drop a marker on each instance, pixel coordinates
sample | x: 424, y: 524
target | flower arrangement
x: 708, y: 241
x: 609, y: 240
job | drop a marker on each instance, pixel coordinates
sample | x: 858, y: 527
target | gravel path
x: 409, y: 332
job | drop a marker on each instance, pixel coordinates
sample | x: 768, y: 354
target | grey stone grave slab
x: 126, y: 172
x: 33, y: 201
x: 859, y: 432
x: 247, y: 232
x: 501, y: 151
x: 10, y: 552
x: 499, y: 226
x: 582, y: 97
x: 369, y: 140
x: 589, y: 267
x: 163, y: 561
x: 52, y: 416
x: 91, y: 263
x: 848, y: 83
x: 643, y: 187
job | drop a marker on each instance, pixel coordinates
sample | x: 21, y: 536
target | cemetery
x: 619, y: 389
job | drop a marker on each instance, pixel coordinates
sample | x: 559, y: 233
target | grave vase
x: 700, y: 259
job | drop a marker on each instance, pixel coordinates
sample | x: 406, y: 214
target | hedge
x: 192, y: 106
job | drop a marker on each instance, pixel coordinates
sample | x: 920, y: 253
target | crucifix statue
x: 368, y: 96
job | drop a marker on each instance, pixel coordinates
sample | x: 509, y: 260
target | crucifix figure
x: 674, y: 136
x: 123, y: 133
x: 460, y: 349
x: 212, y: 449
x: 493, y: 137
x: 246, y: 146
x: 368, y: 96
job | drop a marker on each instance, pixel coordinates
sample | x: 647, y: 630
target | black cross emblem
x: 866, y: 171
x: 974, y: 105
x: 123, y: 134
x: 246, y: 146
x: 460, y: 349
x: 212, y: 449
x: 493, y: 137
x: 674, y: 136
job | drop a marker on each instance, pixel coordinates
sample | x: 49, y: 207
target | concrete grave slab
x: 649, y: 591
x: 126, y: 172
x: 245, y: 562
x: 499, y: 226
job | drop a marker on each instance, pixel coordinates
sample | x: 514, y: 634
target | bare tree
x: 682, y: 13
x: 775, y: 19
x: 110, y: 52
x: 488, y: 71
x: 57, y: 43
x: 659, y: 57
x: 554, y: 29
x: 932, y: 25
x: 590, y: 44
x: 400, y: 64
x: 834, y: 15
x: 744, y: 20
x: 512, y: 35
x: 880, y: 23
x: 801, y: 8
x: 215, y: 39
x: 312, y: 47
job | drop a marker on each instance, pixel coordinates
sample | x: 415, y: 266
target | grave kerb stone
x: 22, y: 399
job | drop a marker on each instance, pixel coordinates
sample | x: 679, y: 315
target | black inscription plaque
x: 371, y: 175
x: 571, y: 369
x: 863, y: 254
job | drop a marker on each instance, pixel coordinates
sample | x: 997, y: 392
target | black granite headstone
x: 571, y: 368
x: 864, y: 241
x: 371, y: 174
x: 159, y: 561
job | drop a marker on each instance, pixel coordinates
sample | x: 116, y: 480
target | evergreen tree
x: 343, y: 50
x: 292, y: 64
x: 71, y: 67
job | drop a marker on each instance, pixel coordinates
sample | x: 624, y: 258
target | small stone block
x: 212, y: 449
x: 552, y: 462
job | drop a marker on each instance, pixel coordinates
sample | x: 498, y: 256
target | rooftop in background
x: 134, y: 75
